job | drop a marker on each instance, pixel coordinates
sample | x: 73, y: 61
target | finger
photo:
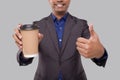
x: 82, y: 45
x: 17, y: 30
x: 91, y: 30
x: 20, y: 46
x: 82, y: 40
x: 81, y: 51
x: 40, y: 36
x: 17, y: 33
x: 19, y: 25
x: 17, y: 39
x: 84, y: 53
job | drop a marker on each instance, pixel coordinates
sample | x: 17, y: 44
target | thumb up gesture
x: 92, y: 47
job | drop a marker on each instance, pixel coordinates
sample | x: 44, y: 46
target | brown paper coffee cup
x: 30, y: 39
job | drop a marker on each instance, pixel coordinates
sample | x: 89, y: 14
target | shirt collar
x: 63, y: 18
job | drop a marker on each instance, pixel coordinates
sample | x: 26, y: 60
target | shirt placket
x: 59, y: 26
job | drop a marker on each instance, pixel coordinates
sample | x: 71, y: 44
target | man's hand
x: 90, y: 48
x: 18, y: 37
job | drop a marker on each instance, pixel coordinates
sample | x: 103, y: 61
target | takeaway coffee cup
x: 30, y: 39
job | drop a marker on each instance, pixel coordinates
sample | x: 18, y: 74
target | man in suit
x: 63, y: 40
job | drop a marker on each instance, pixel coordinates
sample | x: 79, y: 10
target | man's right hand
x: 18, y: 37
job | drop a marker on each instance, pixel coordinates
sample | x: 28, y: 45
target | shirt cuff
x: 30, y: 56
x: 23, y: 61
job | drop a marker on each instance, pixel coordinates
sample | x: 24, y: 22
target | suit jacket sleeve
x: 22, y: 60
x: 101, y: 61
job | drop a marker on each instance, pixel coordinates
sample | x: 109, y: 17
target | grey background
x: 104, y: 14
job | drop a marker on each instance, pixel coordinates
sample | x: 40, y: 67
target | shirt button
x: 60, y: 28
x: 60, y: 40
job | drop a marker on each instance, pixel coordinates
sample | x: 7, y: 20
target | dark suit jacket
x: 52, y: 60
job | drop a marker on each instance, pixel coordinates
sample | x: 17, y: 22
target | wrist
x: 100, y: 54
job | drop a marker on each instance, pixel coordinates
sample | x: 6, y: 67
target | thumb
x: 91, y: 30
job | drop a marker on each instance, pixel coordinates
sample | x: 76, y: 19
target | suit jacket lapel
x: 53, y: 35
x: 67, y: 30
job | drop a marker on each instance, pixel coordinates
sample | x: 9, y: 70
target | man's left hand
x: 92, y: 47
